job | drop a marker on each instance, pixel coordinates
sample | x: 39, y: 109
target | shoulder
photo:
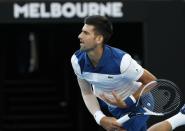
x: 78, y: 54
x: 121, y: 57
x: 125, y: 62
x: 77, y: 60
x: 117, y: 54
x: 77, y: 57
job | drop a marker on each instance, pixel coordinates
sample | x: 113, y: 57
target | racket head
x: 160, y: 97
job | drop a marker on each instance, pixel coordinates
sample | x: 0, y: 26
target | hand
x: 111, y: 124
x: 116, y: 100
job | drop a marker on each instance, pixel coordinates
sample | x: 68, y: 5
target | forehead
x: 88, y: 28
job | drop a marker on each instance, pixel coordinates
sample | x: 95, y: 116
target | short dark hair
x: 102, y: 25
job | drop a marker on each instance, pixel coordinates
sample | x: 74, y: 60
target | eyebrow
x: 85, y: 31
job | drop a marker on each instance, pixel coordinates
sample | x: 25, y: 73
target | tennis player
x: 108, y: 76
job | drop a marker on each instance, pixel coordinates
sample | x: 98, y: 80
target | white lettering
x: 116, y: 9
x: 105, y: 9
x: 81, y: 10
x: 43, y: 12
x: 18, y: 10
x: 93, y: 8
x: 34, y: 10
x: 56, y: 10
x: 67, y: 10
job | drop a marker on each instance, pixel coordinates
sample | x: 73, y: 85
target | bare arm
x: 144, y: 79
x: 88, y: 96
x: 91, y: 102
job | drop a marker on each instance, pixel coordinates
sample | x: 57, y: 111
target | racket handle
x: 123, y: 119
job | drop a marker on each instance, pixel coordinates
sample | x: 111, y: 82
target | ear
x: 99, y: 39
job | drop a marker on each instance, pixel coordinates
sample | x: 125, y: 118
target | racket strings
x: 163, y: 97
x: 163, y: 101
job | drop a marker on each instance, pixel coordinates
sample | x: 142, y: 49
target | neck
x: 95, y: 55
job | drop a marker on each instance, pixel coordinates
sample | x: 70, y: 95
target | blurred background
x: 38, y: 89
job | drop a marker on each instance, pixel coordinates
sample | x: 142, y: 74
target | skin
x: 92, y: 43
x: 161, y: 126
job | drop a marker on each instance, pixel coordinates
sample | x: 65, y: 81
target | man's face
x: 87, y: 38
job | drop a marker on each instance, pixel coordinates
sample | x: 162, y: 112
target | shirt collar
x: 103, y: 60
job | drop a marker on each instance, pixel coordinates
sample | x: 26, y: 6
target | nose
x: 79, y: 36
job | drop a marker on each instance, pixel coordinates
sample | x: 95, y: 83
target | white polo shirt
x: 116, y: 71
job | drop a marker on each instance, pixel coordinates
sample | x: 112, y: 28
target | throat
x: 95, y: 57
x: 94, y: 63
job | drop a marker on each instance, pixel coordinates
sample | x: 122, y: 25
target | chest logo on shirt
x: 110, y: 77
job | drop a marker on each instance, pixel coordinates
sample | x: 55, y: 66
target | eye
x: 85, y: 32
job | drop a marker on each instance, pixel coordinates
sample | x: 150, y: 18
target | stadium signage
x: 67, y: 10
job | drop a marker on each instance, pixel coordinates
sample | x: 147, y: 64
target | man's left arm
x: 144, y: 79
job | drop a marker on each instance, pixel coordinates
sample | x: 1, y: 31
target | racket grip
x: 123, y: 119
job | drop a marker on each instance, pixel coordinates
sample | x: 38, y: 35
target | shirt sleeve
x: 130, y: 68
x: 76, y: 67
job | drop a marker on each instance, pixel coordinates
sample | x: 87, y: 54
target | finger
x: 115, y: 123
x: 115, y: 128
x: 115, y: 95
x: 123, y: 129
x: 103, y: 96
x: 120, y: 129
x: 109, y: 100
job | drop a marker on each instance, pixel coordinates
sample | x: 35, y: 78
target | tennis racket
x: 157, y: 98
